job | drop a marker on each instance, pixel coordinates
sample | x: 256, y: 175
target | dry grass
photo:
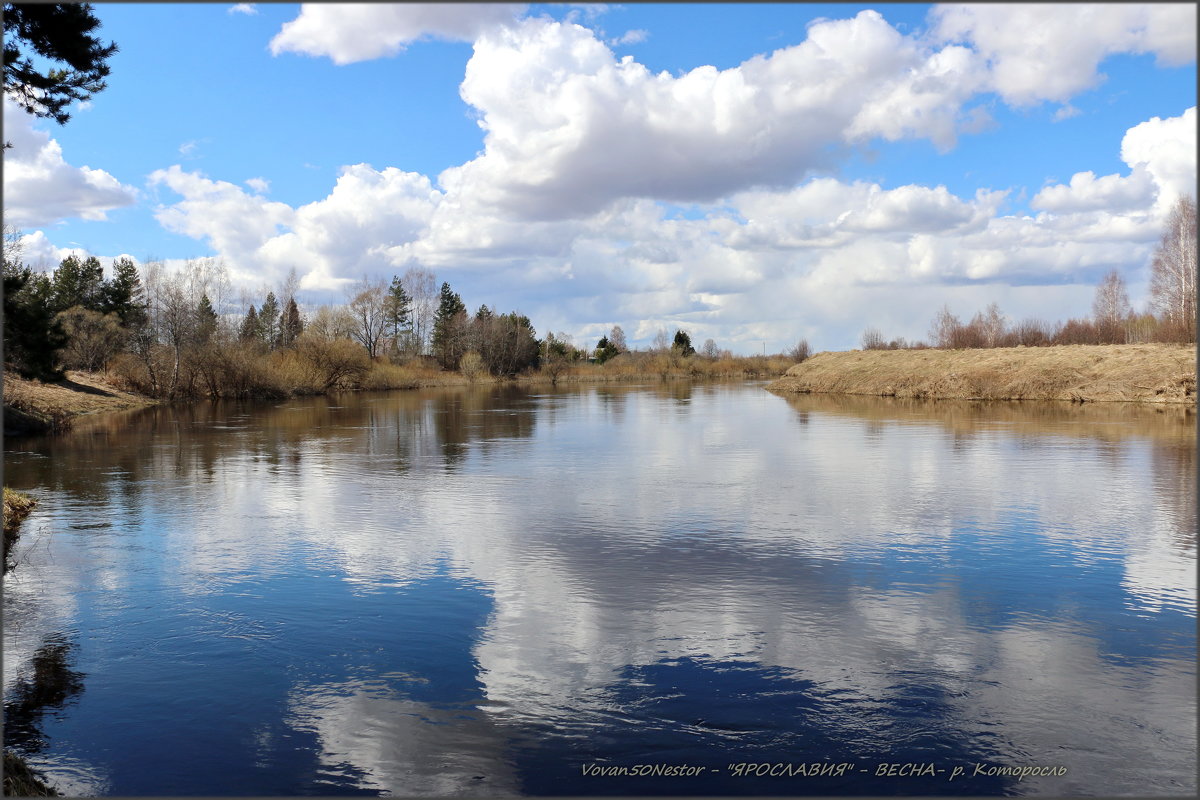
x: 21, y: 781
x: 32, y: 406
x: 1145, y: 373
x: 17, y: 507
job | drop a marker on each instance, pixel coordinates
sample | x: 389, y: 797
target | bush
x: 337, y: 363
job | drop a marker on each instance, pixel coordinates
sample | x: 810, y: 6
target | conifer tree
x: 268, y: 321
x: 124, y: 295
x: 71, y: 63
x: 291, y: 326
x: 250, y: 331
x: 206, y: 320
x: 448, y: 328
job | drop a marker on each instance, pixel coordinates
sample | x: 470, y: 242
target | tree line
x: 1169, y: 317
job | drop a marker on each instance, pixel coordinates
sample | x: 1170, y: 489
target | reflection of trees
x: 504, y: 412
x: 50, y: 685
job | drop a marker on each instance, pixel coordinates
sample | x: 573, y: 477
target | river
x: 535, y: 591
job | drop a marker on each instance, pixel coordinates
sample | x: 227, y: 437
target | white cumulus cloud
x: 41, y: 188
x: 350, y: 32
x: 1052, y: 51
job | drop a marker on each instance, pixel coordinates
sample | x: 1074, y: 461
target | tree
x: 1173, y: 271
x: 32, y: 335
x: 660, y: 341
x: 605, y: 350
x: 79, y: 282
x: 683, y: 343
x: 449, y: 328
x: 945, y: 326
x: 291, y: 326
x: 992, y: 325
x: 92, y: 338
x: 268, y: 321
x: 329, y: 324
x: 367, y: 309
x: 206, y: 320
x: 61, y: 34
x: 872, y: 339
x: 800, y: 352
x: 124, y: 295
x: 397, y: 311
x: 422, y: 289
x: 250, y: 331
x: 1111, y: 309
x: 616, y: 338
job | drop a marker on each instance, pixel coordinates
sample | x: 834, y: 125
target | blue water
x: 512, y: 591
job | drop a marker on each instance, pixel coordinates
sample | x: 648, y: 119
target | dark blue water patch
x: 739, y: 728
x: 212, y: 681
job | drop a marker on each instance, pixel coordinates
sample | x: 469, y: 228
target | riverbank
x: 1140, y: 373
x: 35, y: 407
x: 17, y: 506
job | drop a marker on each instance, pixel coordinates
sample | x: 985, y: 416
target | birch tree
x: 1173, y: 270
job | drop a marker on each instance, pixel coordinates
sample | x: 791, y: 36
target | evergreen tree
x: 449, y: 325
x: 268, y: 321
x: 251, y: 330
x: 32, y: 335
x: 57, y: 34
x: 125, y: 296
x: 605, y: 350
x: 206, y: 320
x: 78, y: 282
x: 683, y: 343
x: 291, y: 325
x: 397, y: 307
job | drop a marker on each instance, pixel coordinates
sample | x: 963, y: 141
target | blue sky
x: 748, y: 172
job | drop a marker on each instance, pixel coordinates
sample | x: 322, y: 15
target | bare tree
x: 872, y: 339
x: 1111, y: 309
x: 1173, y: 270
x: 370, y: 321
x: 992, y: 325
x: 662, y: 342
x: 710, y: 350
x: 944, y: 327
x: 616, y: 337
x: 800, y: 352
x: 329, y: 323
x: 422, y: 287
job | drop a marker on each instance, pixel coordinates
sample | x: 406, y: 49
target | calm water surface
x: 501, y: 591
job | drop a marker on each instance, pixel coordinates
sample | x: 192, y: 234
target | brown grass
x: 17, y: 507
x: 21, y: 781
x: 31, y: 406
x: 1144, y: 373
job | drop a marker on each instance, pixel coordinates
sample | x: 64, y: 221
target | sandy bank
x: 1143, y: 373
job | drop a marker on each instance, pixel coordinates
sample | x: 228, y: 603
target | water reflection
x: 484, y: 591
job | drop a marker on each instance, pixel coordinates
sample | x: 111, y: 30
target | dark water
x: 503, y: 591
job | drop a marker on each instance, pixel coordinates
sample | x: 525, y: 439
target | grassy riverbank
x: 34, y: 407
x: 17, y: 507
x: 1144, y: 373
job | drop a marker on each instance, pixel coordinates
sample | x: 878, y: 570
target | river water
x: 501, y: 591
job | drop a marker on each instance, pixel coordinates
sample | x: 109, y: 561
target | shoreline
x: 33, y: 408
x: 1128, y: 373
